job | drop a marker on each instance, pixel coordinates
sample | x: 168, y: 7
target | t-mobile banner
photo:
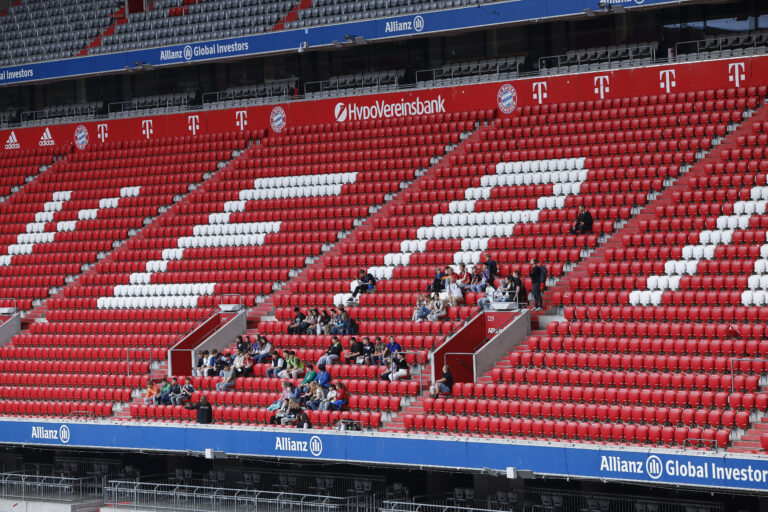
x: 507, y: 98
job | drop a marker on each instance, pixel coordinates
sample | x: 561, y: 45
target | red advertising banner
x: 508, y: 98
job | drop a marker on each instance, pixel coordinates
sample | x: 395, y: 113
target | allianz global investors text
x: 676, y: 468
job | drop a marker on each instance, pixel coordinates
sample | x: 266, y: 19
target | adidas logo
x: 46, y: 139
x: 12, y: 142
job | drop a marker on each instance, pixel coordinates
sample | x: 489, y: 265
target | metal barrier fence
x: 49, y: 488
x: 546, y: 500
x: 191, y: 498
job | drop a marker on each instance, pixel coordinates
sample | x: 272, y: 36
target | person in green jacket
x: 310, y: 376
x: 294, y: 367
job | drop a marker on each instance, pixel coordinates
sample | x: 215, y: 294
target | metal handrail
x: 731, y: 361
x: 128, y: 358
x: 420, y: 362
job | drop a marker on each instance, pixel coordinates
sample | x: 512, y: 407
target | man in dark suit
x: 583, y: 222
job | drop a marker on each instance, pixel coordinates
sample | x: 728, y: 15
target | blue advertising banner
x: 652, y: 466
x: 317, y: 37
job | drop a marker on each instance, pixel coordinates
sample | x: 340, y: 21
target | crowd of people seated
x: 316, y: 390
x: 449, y: 286
x: 337, y: 322
x: 166, y: 392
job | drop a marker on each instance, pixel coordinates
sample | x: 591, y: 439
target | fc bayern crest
x: 81, y: 137
x: 277, y: 119
x: 506, y: 98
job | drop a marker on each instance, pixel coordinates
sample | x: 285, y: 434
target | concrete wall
x: 508, y: 338
x: 9, y: 329
x: 223, y: 336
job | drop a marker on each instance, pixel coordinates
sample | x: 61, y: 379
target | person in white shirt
x: 455, y: 295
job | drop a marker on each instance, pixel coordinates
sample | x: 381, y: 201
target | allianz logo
x: 417, y: 25
x: 287, y: 444
x: 61, y: 434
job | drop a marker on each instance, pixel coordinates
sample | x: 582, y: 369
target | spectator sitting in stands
x: 243, y: 343
x: 308, y: 393
x: 318, y: 395
x: 365, y: 283
x: 379, y: 351
x: 297, y: 326
x: 342, y: 398
x: 302, y: 420
x: 165, y: 387
x: 152, y: 390
x: 583, y: 222
x: 480, y: 282
x: 323, y: 322
x: 265, y: 351
x: 345, y: 326
x: 392, y: 346
x: 278, y: 364
x: 310, y: 375
x: 337, y: 324
x: 437, y: 282
x: 247, y: 366
x: 222, y: 364
x: 355, y: 351
x: 285, y: 394
x: 294, y: 367
x: 442, y: 385
x: 332, y: 354
x: 209, y: 368
x: 173, y: 391
x: 455, y: 296
x: 437, y: 311
x: 323, y: 378
x: 311, y: 321
x: 463, y: 276
x: 504, y: 293
x: 186, y: 393
x: 327, y: 403
x: 421, y: 311
x: 238, y: 364
x: 287, y: 412
x: 367, y: 352
x: 475, y: 276
x: 227, y: 380
x: 204, y: 410
x: 397, y: 368
x: 199, y: 369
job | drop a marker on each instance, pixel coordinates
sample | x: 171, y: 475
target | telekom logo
x: 667, y: 79
x: 102, y: 131
x: 539, y: 91
x: 736, y: 73
x: 602, y: 85
x: 146, y: 127
x: 193, y: 123
x: 241, y: 119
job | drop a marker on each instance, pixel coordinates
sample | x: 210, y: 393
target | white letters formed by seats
x: 705, y: 250
x: 35, y: 232
x: 476, y: 228
x: 285, y: 187
x: 219, y: 232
